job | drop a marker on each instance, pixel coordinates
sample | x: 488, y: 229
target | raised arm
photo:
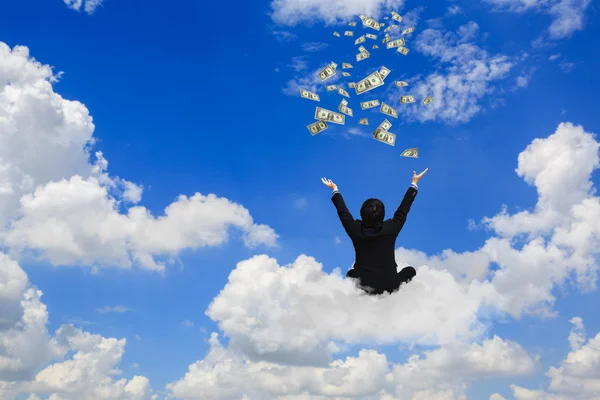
x: 340, y: 205
x: 402, y: 211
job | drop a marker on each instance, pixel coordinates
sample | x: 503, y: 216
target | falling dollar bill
x: 386, y: 39
x: 371, y: 36
x: 362, y: 56
x: 384, y: 72
x: 348, y: 33
x: 403, y: 50
x: 333, y: 65
x: 362, y: 49
x: 369, y: 104
x: 336, y: 34
x: 387, y: 29
x: 401, y: 83
x: 371, y: 23
x: 317, y: 127
x: 396, y: 16
x: 388, y: 110
x: 427, y: 100
x: 407, y: 99
x: 362, y: 17
x: 395, y: 43
x: 413, y: 152
x: 309, y: 95
x: 327, y: 72
x: 351, y: 85
x: 370, y: 82
x: 375, y: 47
x: 345, y: 74
x: 352, y: 24
x: 343, y: 92
x: 386, y: 18
x: 329, y: 116
x: 408, y: 30
x: 344, y: 103
x: 364, y: 121
x: 346, y: 110
x: 385, y: 137
x: 346, y: 65
x: 360, y: 40
x: 331, y: 88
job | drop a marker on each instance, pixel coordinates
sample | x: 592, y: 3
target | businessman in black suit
x: 374, y: 240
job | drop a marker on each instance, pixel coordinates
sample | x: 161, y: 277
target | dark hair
x: 372, y: 213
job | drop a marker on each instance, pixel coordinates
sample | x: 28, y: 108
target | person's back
x: 374, y: 240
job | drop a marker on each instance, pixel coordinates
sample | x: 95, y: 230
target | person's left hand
x: 329, y: 183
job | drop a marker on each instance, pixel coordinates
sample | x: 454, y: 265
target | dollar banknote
x: 388, y: 110
x: 386, y: 18
x: 386, y: 39
x: 387, y: 29
x: 408, y: 30
x: 364, y: 121
x: 385, y: 137
x: 336, y: 34
x: 348, y: 33
x: 333, y: 65
x: 401, y: 83
x: 371, y: 23
x: 396, y: 17
x: 331, y: 88
x: 360, y: 40
x: 345, y: 74
x: 362, y: 49
x: 369, y: 104
x: 385, y: 125
x: 375, y: 47
x: 352, y: 24
x: 351, y: 85
x: 427, y: 100
x: 413, y: 152
x: 329, y: 116
x: 309, y: 95
x: 371, y: 36
x: 343, y: 92
x: 384, y: 72
x: 346, y: 110
x: 362, y: 17
x: 317, y: 127
x: 403, y: 50
x: 395, y: 43
x: 365, y: 105
x: 344, y: 103
x: 346, y: 65
x: 327, y: 72
x: 407, y: 99
x: 362, y: 56
x: 370, y: 82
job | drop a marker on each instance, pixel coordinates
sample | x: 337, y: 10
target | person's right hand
x: 329, y: 183
x: 417, y: 177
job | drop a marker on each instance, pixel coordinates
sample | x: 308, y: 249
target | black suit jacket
x: 375, y: 262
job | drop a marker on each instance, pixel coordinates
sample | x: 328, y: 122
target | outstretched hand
x: 417, y: 177
x: 329, y: 183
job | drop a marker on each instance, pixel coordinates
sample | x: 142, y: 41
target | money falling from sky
x: 372, y: 80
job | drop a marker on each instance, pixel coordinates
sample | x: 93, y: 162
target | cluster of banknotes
x: 373, y: 80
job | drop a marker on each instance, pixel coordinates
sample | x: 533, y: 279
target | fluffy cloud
x: 64, y: 208
x: 567, y: 15
x: 439, y: 374
x: 466, y: 75
x: 578, y: 376
x: 292, y: 12
x: 89, y: 6
x: 26, y: 346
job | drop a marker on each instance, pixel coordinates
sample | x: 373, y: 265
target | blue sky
x: 201, y: 99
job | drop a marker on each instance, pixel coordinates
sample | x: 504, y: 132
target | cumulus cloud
x: 89, y: 6
x: 292, y: 12
x: 113, y: 309
x: 568, y: 16
x: 59, y: 205
x: 466, y: 76
x: 440, y: 374
x: 26, y: 347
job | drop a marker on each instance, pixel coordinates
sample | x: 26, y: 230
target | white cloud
x: 337, y: 240
x: 292, y: 12
x: 309, y: 81
x: 187, y: 323
x: 554, y: 57
x: 314, y: 46
x: 522, y: 81
x: 577, y: 377
x: 89, y: 6
x: 299, y: 64
x: 440, y: 374
x: 113, y: 309
x: 465, y: 77
x: 300, y: 202
x: 26, y: 346
x: 60, y: 206
x: 454, y: 9
x: 567, y: 15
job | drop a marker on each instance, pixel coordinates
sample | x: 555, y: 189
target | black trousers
x: 404, y: 276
